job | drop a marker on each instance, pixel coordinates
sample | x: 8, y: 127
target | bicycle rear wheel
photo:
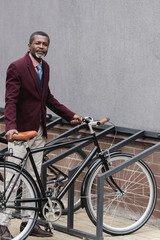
x: 18, y: 206
x: 128, y: 208
x: 57, y: 174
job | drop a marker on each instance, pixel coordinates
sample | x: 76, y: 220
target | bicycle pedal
x: 50, y: 227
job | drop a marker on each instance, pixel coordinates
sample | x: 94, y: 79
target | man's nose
x: 41, y: 45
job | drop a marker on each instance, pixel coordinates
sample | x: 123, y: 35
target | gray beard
x: 39, y: 56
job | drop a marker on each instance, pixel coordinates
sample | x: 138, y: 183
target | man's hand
x: 9, y: 134
x: 76, y: 119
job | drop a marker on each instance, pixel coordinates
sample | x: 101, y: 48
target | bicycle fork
x: 109, y: 180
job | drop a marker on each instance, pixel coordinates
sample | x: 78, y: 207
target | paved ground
x: 83, y: 223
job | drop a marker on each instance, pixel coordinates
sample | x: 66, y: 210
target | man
x: 27, y: 96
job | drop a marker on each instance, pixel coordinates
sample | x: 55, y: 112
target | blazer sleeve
x: 54, y: 105
x: 13, y: 85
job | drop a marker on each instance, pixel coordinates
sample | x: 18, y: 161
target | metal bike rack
x: 134, y: 135
x: 105, y: 130
x: 116, y: 169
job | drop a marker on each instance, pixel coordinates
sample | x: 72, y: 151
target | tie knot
x: 39, y: 66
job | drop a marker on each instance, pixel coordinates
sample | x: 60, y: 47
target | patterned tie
x: 40, y: 74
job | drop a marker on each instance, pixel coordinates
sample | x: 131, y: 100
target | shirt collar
x: 34, y: 61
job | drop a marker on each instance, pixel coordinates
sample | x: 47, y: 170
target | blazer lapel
x: 45, y: 78
x: 34, y: 76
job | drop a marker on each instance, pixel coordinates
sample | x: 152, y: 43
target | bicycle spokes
x: 17, y: 202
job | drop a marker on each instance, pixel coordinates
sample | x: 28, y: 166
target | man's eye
x: 39, y: 43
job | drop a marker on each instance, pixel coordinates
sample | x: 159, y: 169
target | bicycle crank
x: 52, y: 210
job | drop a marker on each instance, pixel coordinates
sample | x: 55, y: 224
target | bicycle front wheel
x: 129, y: 198
x: 17, y: 201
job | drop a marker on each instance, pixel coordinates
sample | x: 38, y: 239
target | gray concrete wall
x: 104, y: 54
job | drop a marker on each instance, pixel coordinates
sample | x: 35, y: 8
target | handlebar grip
x: 102, y: 121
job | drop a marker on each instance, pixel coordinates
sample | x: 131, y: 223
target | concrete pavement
x: 82, y: 223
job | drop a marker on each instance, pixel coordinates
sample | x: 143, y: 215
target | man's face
x: 39, y: 47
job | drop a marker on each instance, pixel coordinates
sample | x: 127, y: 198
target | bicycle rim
x: 64, y: 166
x: 15, y: 211
x: 123, y: 212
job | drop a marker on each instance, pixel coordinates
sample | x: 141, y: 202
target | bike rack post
x: 70, y: 218
x: 100, y: 191
x: 69, y: 229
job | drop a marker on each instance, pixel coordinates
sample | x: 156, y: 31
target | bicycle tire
x: 15, y: 208
x: 65, y: 165
x: 127, y: 211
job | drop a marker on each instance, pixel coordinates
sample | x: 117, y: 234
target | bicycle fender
x: 14, y: 165
x: 89, y: 172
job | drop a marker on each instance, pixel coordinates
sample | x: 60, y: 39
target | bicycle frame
x: 42, y: 183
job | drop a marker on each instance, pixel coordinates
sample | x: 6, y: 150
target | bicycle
x: 55, y: 173
x: 131, y: 190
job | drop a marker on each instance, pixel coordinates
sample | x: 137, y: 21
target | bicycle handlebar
x: 91, y: 121
x: 25, y: 136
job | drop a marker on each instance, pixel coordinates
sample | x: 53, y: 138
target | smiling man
x: 38, y: 46
x: 27, y: 96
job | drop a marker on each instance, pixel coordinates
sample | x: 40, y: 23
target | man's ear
x: 29, y: 46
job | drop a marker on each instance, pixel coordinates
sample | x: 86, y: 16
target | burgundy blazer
x: 25, y: 106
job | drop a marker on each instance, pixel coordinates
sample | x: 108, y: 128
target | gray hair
x: 38, y: 33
